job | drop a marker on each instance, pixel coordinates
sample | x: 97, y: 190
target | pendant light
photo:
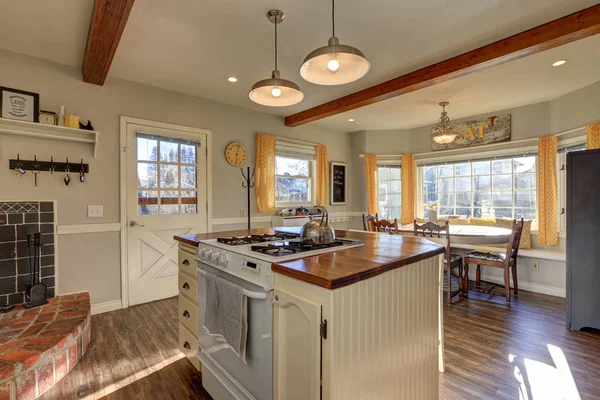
x: 443, y: 133
x: 276, y: 92
x: 334, y: 64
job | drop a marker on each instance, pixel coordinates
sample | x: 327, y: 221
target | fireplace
x: 17, y: 220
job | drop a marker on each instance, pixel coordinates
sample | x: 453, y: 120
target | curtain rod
x: 296, y: 141
x: 479, y: 147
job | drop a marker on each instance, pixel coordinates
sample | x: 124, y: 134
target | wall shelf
x: 34, y: 129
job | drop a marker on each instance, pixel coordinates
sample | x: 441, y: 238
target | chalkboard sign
x: 338, y: 190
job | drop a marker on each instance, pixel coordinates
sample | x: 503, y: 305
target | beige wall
x: 90, y: 262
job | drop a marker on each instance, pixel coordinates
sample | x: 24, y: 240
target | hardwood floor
x: 490, y: 349
x: 133, y: 355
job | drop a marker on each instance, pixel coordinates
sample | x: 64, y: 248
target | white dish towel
x: 226, y: 314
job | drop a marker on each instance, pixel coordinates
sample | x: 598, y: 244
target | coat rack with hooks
x: 49, y: 166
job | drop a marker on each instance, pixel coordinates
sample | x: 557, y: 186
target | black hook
x: 67, y: 178
x: 52, y: 167
x: 81, y: 172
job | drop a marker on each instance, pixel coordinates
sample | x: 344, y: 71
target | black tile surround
x: 17, y: 219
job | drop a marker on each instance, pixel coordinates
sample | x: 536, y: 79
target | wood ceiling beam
x: 108, y: 23
x: 564, y: 30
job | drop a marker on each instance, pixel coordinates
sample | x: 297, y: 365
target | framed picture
x: 338, y: 191
x: 18, y: 104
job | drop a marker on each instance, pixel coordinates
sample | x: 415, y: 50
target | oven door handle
x: 247, y: 293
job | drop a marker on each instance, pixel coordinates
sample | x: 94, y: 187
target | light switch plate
x: 95, y: 211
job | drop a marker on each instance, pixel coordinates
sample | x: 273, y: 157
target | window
x: 499, y: 188
x: 166, y: 175
x: 293, y: 181
x: 389, y: 191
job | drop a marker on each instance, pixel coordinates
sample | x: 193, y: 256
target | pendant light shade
x: 276, y: 92
x: 334, y: 64
x: 443, y: 132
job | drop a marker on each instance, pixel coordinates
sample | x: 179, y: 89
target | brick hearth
x: 39, y: 346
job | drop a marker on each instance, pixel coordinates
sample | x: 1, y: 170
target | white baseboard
x: 532, y: 287
x: 106, y: 307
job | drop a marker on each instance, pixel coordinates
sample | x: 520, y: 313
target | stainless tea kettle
x: 318, y: 232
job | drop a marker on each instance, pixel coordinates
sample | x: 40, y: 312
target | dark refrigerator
x: 583, y: 239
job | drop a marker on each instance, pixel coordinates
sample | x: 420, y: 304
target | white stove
x: 246, y: 262
x: 250, y: 257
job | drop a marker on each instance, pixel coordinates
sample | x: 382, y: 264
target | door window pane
x: 188, y: 154
x: 176, y: 184
x: 147, y: 149
x: 168, y: 176
x: 146, y: 175
x: 169, y: 152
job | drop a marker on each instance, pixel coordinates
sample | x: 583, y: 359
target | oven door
x: 224, y: 375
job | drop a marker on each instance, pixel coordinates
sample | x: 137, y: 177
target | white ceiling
x: 192, y: 46
x: 518, y: 83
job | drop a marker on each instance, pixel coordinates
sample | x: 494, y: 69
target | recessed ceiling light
x: 232, y: 79
x: 558, y: 63
x: 351, y: 120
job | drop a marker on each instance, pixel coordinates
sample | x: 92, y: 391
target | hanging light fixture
x: 443, y: 132
x: 334, y: 64
x: 276, y: 92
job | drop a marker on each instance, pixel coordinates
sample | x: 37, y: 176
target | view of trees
x: 292, y: 181
x: 171, y: 187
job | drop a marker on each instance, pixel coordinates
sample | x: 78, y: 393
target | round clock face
x: 235, y: 154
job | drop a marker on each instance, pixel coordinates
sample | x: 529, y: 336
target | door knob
x: 186, y: 314
x: 186, y: 286
x: 187, y: 345
x: 134, y: 224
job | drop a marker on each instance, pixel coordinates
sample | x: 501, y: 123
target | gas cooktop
x: 286, y: 248
x: 252, y: 239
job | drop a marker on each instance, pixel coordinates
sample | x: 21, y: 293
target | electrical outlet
x: 535, y: 265
x: 95, y: 211
x: 242, y: 212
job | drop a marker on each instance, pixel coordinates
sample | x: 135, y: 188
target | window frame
x: 311, y: 184
x: 179, y: 165
x: 421, y: 194
x: 388, y: 164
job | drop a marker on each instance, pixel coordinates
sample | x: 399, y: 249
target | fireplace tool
x: 36, y: 292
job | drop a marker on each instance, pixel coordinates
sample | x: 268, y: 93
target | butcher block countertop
x: 336, y: 269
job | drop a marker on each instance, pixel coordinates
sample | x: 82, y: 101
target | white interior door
x: 296, y: 348
x: 166, y: 195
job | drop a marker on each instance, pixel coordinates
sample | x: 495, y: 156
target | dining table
x: 468, y: 234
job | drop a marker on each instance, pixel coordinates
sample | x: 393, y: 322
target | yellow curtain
x: 408, y: 189
x: 547, y: 190
x: 265, y: 173
x: 371, y: 175
x: 593, y: 136
x: 322, y: 176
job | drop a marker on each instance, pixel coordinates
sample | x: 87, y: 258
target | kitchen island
x: 360, y: 323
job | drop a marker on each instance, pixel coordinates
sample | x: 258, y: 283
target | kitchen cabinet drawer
x: 188, y: 314
x: 187, y: 265
x: 188, y: 287
x: 188, y: 344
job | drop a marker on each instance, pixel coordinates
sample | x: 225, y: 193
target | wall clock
x: 236, y: 154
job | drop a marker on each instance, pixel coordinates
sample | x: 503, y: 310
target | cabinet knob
x: 186, y: 286
x: 186, y: 314
x: 186, y: 345
x: 186, y: 262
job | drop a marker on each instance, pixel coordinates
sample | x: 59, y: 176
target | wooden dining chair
x: 506, y: 261
x: 451, y: 261
x: 386, y: 226
x: 367, y: 221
